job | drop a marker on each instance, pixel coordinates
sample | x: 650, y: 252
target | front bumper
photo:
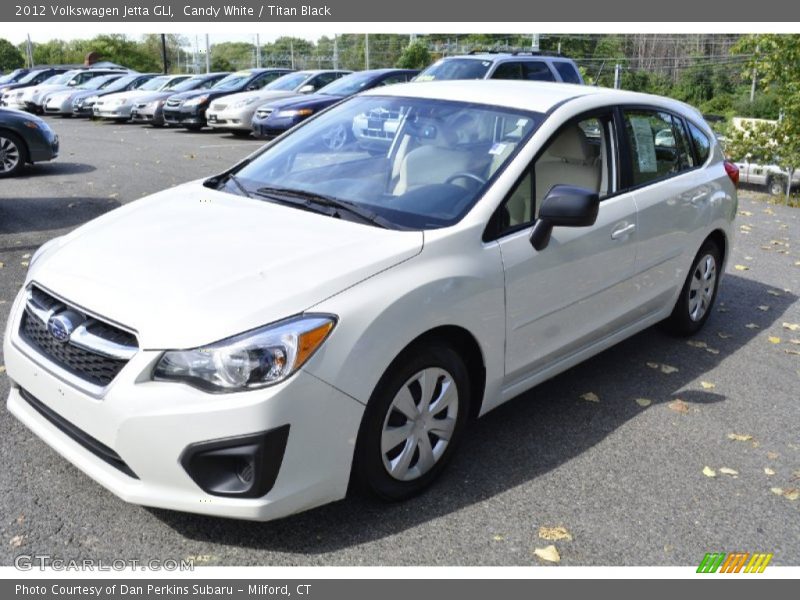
x: 230, y: 119
x: 148, y: 115
x: 117, y: 112
x: 151, y: 426
x: 43, y: 146
x: 184, y: 116
x: 54, y: 107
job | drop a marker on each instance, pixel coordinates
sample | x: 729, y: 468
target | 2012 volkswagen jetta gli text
x: 251, y: 344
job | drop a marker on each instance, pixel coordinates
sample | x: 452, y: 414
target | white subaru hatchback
x: 251, y: 344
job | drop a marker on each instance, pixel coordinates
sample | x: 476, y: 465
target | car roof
x: 495, y: 56
x: 525, y: 95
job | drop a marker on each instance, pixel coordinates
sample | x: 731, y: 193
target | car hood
x: 190, y: 266
x: 259, y: 95
x: 211, y: 93
x: 129, y: 95
x: 32, y: 92
x: 152, y: 96
x: 315, y: 101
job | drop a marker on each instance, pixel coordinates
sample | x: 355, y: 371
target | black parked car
x: 24, y: 138
x: 273, y: 118
x: 189, y: 108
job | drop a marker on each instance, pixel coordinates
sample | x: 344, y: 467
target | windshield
x: 288, y: 83
x: 31, y: 76
x: 456, y: 68
x: 414, y: 163
x: 349, y: 84
x: 121, y: 83
x: 190, y: 84
x: 233, y: 81
x: 96, y: 83
x: 11, y: 77
x: 155, y: 84
x: 60, y: 79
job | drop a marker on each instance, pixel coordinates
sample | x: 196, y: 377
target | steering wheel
x: 465, y: 175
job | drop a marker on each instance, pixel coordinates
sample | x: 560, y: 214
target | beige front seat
x: 568, y: 160
x: 430, y: 164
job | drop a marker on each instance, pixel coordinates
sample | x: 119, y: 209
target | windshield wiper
x: 308, y: 199
x: 239, y: 186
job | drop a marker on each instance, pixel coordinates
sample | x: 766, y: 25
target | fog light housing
x: 244, y: 466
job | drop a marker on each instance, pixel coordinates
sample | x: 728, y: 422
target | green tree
x: 10, y: 57
x: 415, y: 56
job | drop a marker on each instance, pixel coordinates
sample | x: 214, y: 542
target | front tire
x: 12, y: 154
x: 413, y: 423
x: 699, y: 292
x: 776, y: 187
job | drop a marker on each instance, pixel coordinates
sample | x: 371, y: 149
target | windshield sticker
x: 497, y: 149
x: 424, y: 78
x: 522, y: 122
x: 645, y: 144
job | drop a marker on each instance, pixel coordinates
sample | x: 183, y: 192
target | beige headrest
x: 570, y: 144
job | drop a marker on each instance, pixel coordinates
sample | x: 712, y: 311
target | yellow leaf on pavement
x: 777, y: 491
x: 772, y: 455
x: 696, y: 344
x: 590, y: 397
x: 791, y: 326
x: 740, y: 437
x: 728, y: 471
x: 723, y: 336
x: 741, y: 267
x: 679, y: 406
x: 549, y: 554
x: 745, y: 213
x: 709, y: 472
x: 643, y: 402
x: 791, y: 494
x: 774, y: 340
x: 769, y: 471
x: 707, y: 385
x: 763, y: 307
x: 498, y: 538
x: 752, y: 326
x: 555, y: 534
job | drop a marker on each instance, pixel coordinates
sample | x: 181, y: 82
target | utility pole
x: 208, y: 55
x: 258, y: 51
x: 366, y: 51
x: 291, y: 50
x: 335, y: 51
x: 617, y: 76
x: 753, y: 82
x: 534, y: 42
x: 164, y: 53
x: 30, y: 51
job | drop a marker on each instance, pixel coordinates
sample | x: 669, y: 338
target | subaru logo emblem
x: 63, y: 324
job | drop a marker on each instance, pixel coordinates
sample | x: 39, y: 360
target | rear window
x: 537, y: 71
x: 702, y: 145
x: 567, y: 71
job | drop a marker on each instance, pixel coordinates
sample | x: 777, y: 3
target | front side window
x: 430, y: 163
x: 578, y: 155
x: 658, y: 145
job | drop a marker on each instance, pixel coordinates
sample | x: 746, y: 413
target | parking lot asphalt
x: 612, y: 451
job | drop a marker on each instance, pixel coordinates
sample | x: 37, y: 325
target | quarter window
x: 702, y: 145
x: 567, y: 72
x: 537, y: 71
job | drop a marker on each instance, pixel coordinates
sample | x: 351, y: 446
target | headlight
x: 297, y: 112
x: 91, y: 99
x: 41, y: 125
x: 120, y: 101
x: 78, y: 102
x: 195, y: 101
x: 252, y: 360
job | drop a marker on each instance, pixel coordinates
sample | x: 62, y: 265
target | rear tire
x: 413, y: 423
x: 775, y: 187
x: 13, y: 154
x: 698, y: 293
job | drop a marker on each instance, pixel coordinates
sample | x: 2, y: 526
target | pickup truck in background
x: 770, y: 177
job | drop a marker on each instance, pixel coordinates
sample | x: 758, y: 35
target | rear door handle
x: 623, y: 231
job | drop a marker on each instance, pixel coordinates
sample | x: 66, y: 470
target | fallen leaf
x: 16, y: 541
x: 774, y: 340
x: 745, y: 213
x: 24, y: 263
x: 763, y: 307
x: 752, y: 326
x: 2, y: 368
x: 791, y: 351
x: 696, y: 344
x: 707, y: 385
x: 777, y: 491
x: 498, y: 538
x: 590, y: 397
x: 795, y: 341
x: 555, y: 534
x: 740, y: 437
x: 774, y: 293
x: 723, y: 336
x: 741, y: 267
x: 745, y: 228
x: 772, y: 455
x: 549, y: 554
x: 712, y: 350
x: 791, y: 494
x: 769, y: 471
x: 679, y: 406
x: 643, y: 402
x: 26, y: 256
x: 791, y: 326
x: 2, y: 265
x: 728, y: 471
x: 20, y: 519
x: 709, y: 472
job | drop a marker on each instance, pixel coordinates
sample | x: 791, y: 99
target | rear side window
x: 537, y: 71
x: 702, y: 145
x: 658, y: 145
x: 508, y: 70
x: 567, y: 72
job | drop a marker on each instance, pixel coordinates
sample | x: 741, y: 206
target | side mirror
x: 251, y: 88
x: 306, y: 89
x: 564, y: 206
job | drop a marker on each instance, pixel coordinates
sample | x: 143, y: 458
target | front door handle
x: 623, y: 231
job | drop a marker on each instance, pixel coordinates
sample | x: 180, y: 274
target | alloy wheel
x: 9, y: 155
x: 701, y: 289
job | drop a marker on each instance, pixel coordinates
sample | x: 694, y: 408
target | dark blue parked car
x: 24, y: 139
x: 275, y: 117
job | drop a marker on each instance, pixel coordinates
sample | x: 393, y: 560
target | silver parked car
x: 119, y: 106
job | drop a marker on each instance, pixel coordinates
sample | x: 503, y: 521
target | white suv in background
x: 248, y: 345
x: 528, y: 66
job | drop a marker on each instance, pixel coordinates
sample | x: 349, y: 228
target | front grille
x: 93, y: 367
x: 263, y: 113
x: 173, y: 103
x: 219, y: 107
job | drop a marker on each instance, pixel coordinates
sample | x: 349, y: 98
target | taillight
x: 733, y: 171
